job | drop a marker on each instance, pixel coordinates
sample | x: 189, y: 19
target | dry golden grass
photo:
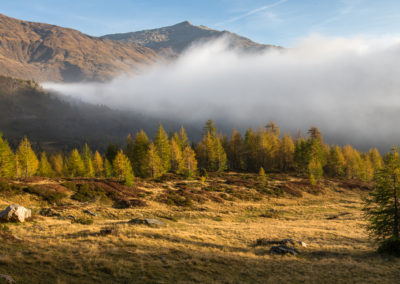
x: 206, y: 243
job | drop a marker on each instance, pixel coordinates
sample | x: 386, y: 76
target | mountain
x: 46, y: 52
x: 173, y: 40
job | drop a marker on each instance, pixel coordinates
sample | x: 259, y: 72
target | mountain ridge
x: 172, y: 40
x: 45, y: 52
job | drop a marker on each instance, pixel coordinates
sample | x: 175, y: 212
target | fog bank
x: 349, y: 88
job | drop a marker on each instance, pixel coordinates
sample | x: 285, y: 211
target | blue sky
x: 279, y: 22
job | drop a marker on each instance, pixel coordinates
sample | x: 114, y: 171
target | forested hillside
x: 53, y: 122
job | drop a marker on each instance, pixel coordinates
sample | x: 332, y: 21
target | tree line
x: 263, y: 150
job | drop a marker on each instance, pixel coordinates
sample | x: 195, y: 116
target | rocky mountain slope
x: 46, y: 52
x: 171, y: 41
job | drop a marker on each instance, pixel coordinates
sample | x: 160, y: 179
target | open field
x: 208, y: 235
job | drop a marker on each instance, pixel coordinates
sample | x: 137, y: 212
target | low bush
x: 83, y: 221
x: 8, y: 188
x: 87, y: 192
x: 47, y: 194
x: 390, y: 246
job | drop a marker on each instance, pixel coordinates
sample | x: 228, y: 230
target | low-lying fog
x: 349, y: 88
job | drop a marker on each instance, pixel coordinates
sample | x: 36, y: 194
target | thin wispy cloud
x: 348, y: 7
x: 251, y: 13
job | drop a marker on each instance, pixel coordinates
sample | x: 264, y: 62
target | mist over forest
x: 347, y: 87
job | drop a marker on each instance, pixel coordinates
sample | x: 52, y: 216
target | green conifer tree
x: 87, y: 157
x: 382, y: 208
x: 236, y: 152
x: 139, y: 154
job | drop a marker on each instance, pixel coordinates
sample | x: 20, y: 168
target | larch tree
x: 108, y: 169
x: 163, y: 148
x: 176, y: 157
x: 250, y: 146
x: 75, y: 165
x: 182, y: 138
x: 123, y: 169
x: 236, y: 152
x: 262, y: 176
x: 336, y: 162
x: 87, y: 157
x: 155, y: 165
x: 189, y: 162
x: 27, y: 162
x: 7, y: 159
x: 286, y: 153
x: 210, y: 152
x: 57, y: 163
x: 98, y: 164
x: 376, y: 159
x: 45, y: 169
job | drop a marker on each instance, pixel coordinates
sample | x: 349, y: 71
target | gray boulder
x: 283, y: 250
x: 15, y: 213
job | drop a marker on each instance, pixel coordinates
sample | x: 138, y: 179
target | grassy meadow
x: 209, y: 233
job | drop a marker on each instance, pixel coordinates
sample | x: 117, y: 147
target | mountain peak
x: 184, y: 23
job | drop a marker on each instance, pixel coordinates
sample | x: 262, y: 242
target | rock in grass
x: 284, y: 242
x: 90, y: 213
x: 15, y: 213
x: 147, y: 221
x: 156, y: 222
x: 8, y: 278
x: 106, y: 231
x: 283, y: 250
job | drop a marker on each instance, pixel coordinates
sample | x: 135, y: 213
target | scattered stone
x: 283, y: 250
x: 154, y: 222
x: 17, y: 238
x: 48, y: 212
x: 8, y: 278
x: 149, y: 222
x: 333, y: 217
x: 107, y: 231
x: 90, y: 212
x: 15, y: 213
x: 303, y: 244
x: 284, y: 242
